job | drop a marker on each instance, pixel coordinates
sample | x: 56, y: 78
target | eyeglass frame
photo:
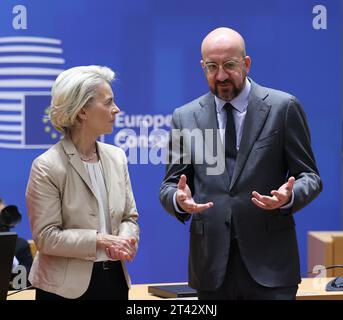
x: 236, y: 63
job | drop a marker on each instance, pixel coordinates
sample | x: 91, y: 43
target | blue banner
x: 154, y: 48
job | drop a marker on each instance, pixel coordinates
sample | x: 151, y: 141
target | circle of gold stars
x: 48, y: 128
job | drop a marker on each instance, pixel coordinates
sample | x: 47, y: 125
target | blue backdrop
x: 154, y: 47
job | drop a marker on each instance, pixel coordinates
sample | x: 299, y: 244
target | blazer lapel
x: 76, y: 162
x: 106, y: 167
x: 256, y: 116
x: 112, y: 180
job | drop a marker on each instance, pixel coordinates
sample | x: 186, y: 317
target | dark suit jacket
x: 275, y: 145
x: 24, y: 256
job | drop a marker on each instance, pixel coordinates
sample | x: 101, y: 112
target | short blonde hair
x: 72, y: 90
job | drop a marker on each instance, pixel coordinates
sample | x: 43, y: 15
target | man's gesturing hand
x: 184, y: 198
x: 278, y: 199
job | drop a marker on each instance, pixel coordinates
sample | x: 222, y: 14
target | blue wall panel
x: 154, y: 46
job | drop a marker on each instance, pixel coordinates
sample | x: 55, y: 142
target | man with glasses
x: 242, y: 234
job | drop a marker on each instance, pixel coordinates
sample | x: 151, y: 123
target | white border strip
x: 26, y: 83
x: 10, y: 107
x: 10, y: 128
x: 30, y: 39
x: 30, y: 71
x: 30, y: 59
x: 5, y: 49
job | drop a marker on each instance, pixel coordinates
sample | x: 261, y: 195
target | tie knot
x: 228, y: 107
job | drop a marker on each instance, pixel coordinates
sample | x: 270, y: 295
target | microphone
x: 335, y: 284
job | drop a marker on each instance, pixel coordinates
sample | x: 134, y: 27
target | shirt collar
x: 240, y: 103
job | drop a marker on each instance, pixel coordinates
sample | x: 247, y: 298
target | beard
x: 228, y: 93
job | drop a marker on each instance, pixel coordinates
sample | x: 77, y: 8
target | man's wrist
x: 290, y: 203
x: 176, y: 206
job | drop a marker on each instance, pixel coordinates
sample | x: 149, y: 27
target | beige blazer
x: 64, y: 215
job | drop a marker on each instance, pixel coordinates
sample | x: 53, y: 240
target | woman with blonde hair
x: 81, y: 208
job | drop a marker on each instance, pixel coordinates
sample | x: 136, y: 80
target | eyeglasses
x: 212, y: 68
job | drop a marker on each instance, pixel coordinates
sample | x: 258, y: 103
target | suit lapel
x: 206, y: 118
x: 256, y: 116
x: 112, y: 179
x: 76, y: 162
x: 106, y: 167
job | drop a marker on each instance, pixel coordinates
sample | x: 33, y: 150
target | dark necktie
x: 230, y: 140
x: 230, y: 152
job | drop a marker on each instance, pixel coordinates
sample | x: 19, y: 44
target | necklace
x: 90, y: 158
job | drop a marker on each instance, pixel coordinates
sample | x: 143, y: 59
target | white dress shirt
x: 98, y: 183
x: 240, y: 105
